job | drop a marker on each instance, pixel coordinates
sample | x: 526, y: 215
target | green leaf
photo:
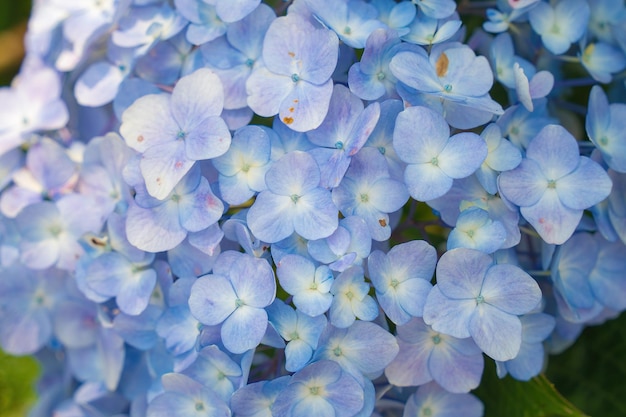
x: 17, y: 377
x: 511, y: 398
x: 592, y: 372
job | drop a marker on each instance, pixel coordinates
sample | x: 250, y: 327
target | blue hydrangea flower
x: 235, y: 294
x: 530, y: 360
x: 28, y: 300
x: 342, y: 134
x: 143, y: 27
x: 422, y: 140
x: 560, y: 24
x: 205, y: 25
x: 347, y: 246
x: 520, y: 126
x: 217, y: 370
x: 605, y: 18
x: 167, y: 61
x: 172, y: 132
x: 233, y: 10
x: 351, y: 299
x: 185, y: 396
x: 242, y: 168
x: 177, y: 327
x: 321, y: 389
x: 371, y: 78
x: 382, y: 137
x: 369, y: 192
x: 402, y: 278
x: 500, y: 19
x: 571, y: 267
x: 606, y: 279
x: 396, y: 16
x: 101, y: 175
x: 554, y: 184
x: 157, y: 225
x: 234, y: 56
x: 455, y: 77
x: 256, y: 399
x: 31, y: 106
x: 501, y: 156
x: 300, y: 331
x: 502, y: 57
x: 436, y: 9
x: 124, y: 272
x: 48, y: 174
x: 294, y: 81
x: 426, y: 355
x: 363, y: 349
x: 100, y: 82
x: 468, y: 192
x: 473, y: 297
x: 352, y: 20
x: 602, y: 60
x: 605, y: 125
x: 310, y: 286
x: 426, y: 30
x: 50, y: 231
x: 474, y: 229
x: 293, y: 201
x: 432, y: 400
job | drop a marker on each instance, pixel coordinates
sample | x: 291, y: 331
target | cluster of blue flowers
x: 205, y: 204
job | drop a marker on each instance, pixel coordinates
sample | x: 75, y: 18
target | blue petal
x: 426, y: 181
x: 496, y: 333
x: 244, y: 329
x: 588, y: 185
x: 212, y: 299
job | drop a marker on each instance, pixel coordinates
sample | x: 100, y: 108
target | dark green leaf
x: 592, y: 373
x: 508, y: 397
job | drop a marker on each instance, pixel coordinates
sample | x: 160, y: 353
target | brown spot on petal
x: 158, y: 180
x: 441, y: 66
x: 291, y: 109
x: 178, y: 165
x: 382, y: 222
x: 291, y: 54
x: 140, y: 138
x: 288, y: 120
x: 295, y: 100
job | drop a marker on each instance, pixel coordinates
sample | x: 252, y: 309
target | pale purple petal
x: 496, y: 333
x: 555, y: 150
x: 463, y: 154
x: 554, y: 222
x: 212, y: 299
x: 586, y: 186
x: 510, y: 289
x: 460, y: 273
x: 244, y: 329
x: 148, y: 122
x: 447, y: 315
